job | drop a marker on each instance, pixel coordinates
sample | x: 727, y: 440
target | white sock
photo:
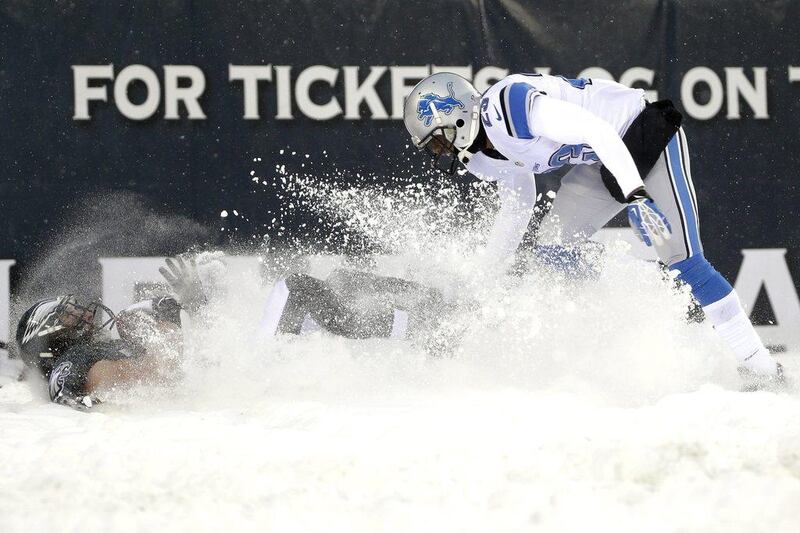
x: 732, y: 324
x: 273, y: 309
x: 400, y: 324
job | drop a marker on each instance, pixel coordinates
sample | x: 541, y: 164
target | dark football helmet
x: 52, y: 326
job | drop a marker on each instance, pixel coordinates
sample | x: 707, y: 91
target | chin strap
x: 465, y: 155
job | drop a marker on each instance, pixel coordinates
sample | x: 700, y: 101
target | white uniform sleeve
x: 517, y: 198
x: 568, y: 123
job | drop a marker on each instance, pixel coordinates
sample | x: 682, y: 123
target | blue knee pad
x: 565, y: 260
x: 708, y: 285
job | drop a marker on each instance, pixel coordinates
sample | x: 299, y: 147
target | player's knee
x: 570, y: 260
x: 302, y: 283
x: 708, y: 285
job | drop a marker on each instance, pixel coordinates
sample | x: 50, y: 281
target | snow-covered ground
x: 565, y: 410
x: 404, y: 456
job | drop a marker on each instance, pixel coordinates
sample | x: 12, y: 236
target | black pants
x: 314, y: 298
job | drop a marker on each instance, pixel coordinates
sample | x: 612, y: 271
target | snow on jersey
x: 506, y: 116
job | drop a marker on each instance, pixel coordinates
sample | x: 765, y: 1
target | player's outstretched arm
x: 517, y: 195
x: 182, y: 277
x: 568, y: 123
x: 571, y: 124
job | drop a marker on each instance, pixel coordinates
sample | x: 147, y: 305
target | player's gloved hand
x: 647, y: 219
x: 167, y: 309
x: 185, y: 283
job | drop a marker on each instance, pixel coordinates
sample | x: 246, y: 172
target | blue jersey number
x: 569, y: 152
x: 485, y: 113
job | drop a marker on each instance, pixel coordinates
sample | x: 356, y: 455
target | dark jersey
x: 67, y: 380
x: 67, y: 383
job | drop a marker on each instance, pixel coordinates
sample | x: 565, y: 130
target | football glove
x: 185, y: 283
x: 647, y: 219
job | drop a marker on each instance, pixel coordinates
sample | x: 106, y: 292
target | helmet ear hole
x: 459, y: 123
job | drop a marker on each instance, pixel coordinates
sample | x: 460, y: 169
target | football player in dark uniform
x: 349, y: 303
x: 59, y: 337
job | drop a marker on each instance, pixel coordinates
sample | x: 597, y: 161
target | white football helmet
x: 442, y: 115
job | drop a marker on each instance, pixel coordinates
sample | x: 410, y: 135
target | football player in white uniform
x: 626, y: 152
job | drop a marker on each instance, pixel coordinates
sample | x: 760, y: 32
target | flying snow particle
x: 223, y: 214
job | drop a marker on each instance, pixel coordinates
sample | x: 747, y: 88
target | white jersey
x: 539, y: 123
x: 510, y: 125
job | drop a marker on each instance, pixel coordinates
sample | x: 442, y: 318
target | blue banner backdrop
x: 331, y: 79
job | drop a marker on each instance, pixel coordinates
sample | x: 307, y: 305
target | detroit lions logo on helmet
x: 443, y: 104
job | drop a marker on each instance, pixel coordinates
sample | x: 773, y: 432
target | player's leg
x: 300, y: 298
x: 582, y: 206
x: 370, y: 291
x: 670, y: 185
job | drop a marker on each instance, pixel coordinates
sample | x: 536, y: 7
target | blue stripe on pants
x: 684, y: 196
